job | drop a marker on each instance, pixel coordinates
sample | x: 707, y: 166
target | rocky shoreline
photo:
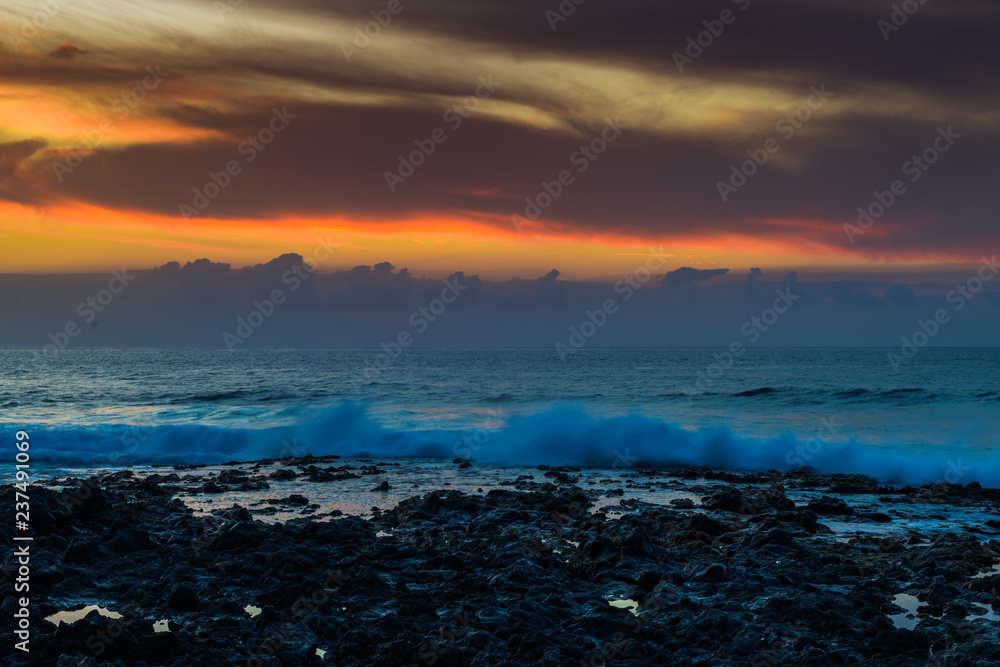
x: 538, y: 572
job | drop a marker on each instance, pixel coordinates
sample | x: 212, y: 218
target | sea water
x: 835, y: 410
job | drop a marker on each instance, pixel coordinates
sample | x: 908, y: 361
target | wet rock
x: 235, y: 513
x: 85, y: 500
x: 83, y: 551
x: 648, y: 580
x: 211, y: 487
x: 268, y: 615
x: 233, y: 476
x: 521, y: 575
x: 708, y: 525
x: 183, y: 598
x: 294, y: 500
x: 828, y: 506
x: 730, y: 499
x: 714, y: 620
x: 713, y: 573
x: 899, y: 642
x: 938, y: 594
x: 126, y: 539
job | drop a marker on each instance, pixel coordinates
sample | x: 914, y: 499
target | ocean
x: 933, y: 418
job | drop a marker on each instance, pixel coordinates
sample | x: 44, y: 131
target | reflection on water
x: 907, y: 619
x: 71, y: 616
x: 631, y: 605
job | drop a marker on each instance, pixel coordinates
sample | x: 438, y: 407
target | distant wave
x: 906, y: 395
x: 241, y: 395
x: 556, y: 436
x: 851, y: 393
x: 763, y: 391
x: 857, y: 395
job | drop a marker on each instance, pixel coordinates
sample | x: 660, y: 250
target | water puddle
x: 71, y: 616
x: 986, y: 612
x: 631, y: 605
x: 908, y: 619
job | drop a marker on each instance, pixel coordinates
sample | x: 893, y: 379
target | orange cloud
x: 80, y: 238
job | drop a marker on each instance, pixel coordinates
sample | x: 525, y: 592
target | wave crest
x: 555, y: 436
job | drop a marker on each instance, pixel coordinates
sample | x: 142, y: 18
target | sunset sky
x: 171, y: 93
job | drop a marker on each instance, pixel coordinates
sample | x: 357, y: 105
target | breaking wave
x: 553, y: 436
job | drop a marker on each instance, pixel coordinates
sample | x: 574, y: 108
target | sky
x: 847, y: 141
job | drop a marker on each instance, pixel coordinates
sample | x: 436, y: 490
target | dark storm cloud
x: 687, y: 276
x: 642, y: 186
x: 196, y: 303
x: 65, y: 51
x: 56, y: 71
x: 333, y: 157
x: 778, y: 36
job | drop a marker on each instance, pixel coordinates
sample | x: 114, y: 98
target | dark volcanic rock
x: 126, y: 539
x: 211, y: 487
x: 183, y: 598
x: 715, y: 573
x: 827, y: 506
x: 519, y: 576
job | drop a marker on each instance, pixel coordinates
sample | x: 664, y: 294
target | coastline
x: 568, y: 566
